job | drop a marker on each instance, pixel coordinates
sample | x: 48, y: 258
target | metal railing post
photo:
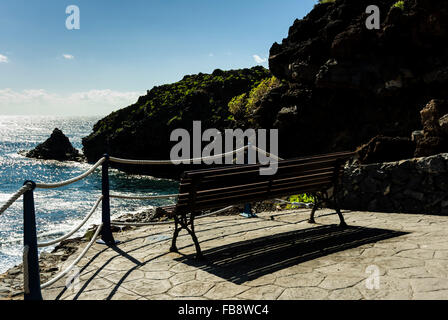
x: 106, y: 232
x: 31, y: 273
x: 248, y: 213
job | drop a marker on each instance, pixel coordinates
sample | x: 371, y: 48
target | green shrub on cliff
x: 398, y: 4
x: 244, y: 105
x: 300, y: 198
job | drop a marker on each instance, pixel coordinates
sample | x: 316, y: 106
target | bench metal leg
x: 338, y: 210
x: 315, y: 207
x: 199, y: 254
x: 318, y: 203
x: 336, y: 205
x: 341, y: 218
x: 175, y: 235
x: 184, y: 223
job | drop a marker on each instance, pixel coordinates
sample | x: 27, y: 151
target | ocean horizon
x: 59, y: 211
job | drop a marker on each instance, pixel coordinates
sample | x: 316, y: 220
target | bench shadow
x: 248, y: 260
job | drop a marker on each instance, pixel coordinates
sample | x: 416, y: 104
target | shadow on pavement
x: 248, y: 260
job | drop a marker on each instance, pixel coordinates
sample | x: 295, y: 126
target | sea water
x: 58, y: 211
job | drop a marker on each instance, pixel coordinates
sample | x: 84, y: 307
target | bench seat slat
x: 240, y: 187
x: 249, y: 195
x: 236, y: 168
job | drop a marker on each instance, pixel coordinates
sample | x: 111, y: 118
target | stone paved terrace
x: 279, y: 258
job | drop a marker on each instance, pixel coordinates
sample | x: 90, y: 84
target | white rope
x: 139, y: 224
x: 117, y: 196
x: 83, y: 253
x: 216, y: 212
x: 68, y: 235
x: 162, y: 162
x: 267, y: 153
x: 15, y: 196
x: 70, y: 181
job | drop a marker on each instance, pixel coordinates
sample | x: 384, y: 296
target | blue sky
x: 124, y: 48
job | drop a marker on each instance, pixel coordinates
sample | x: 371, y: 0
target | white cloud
x: 68, y: 56
x: 259, y: 59
x: 3, y: 59
x: 40, y: 101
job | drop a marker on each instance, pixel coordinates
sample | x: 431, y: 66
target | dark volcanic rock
x: 350, y: 84
x: 385, y: 149
x: 57, y: 147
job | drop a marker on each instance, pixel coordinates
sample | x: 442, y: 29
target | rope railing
x: 73, y: 180
x: 32, y: 285
x: 145, y: 224
x: 270, y: 155
x: 15, y: 197
x: 70, y: 267
x: 167, y: 196
x: 68, y: 235
x: 168, y: 162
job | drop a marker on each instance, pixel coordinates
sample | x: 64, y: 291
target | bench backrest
x: 236, y: 184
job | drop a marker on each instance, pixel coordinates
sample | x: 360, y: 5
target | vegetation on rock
x: 143, y: 129
x: 244, y: 105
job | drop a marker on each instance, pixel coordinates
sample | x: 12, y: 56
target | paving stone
x: 160, y: 275
x: 345, y: 294
x: 333, y: 282
x: 268, y: 292
x: 147, y: 287
x: 123, y: 294
x: 262, y: 281
x: 434, y: 295
x: 94, y: 295
x: 183, y: 277
x: 441, y: 254
x: 406, y: 273
x: 303, y: 294
x: 429, y: 284
x: 192, y: 288
x: 225, y: 290
x: 300, y: 280
x: 423, y: 254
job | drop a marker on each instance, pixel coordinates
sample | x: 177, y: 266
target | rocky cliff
x: 337, y: 85
x: 347, y: 84
x: 142, y: 130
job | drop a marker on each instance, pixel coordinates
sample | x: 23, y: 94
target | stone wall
x: 417, y: 185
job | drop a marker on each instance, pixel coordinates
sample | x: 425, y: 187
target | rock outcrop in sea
x: 57, y: 147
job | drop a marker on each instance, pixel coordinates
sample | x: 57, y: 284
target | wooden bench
x: 209, y: 189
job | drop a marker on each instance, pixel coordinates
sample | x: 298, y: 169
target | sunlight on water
x: 59, y: 211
